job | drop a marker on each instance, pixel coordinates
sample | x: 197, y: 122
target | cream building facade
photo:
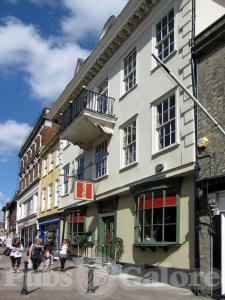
x: 137, y: 134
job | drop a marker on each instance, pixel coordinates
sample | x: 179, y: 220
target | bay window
x: 157, y: 217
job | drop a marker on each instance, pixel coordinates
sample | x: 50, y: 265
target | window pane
x: 158, y: 215
x: 148, y: 234
x: 170, y: 233
x: 170, y: 215
x: 157, y: 233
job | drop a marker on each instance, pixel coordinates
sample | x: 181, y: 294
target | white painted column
x: 223, y: 253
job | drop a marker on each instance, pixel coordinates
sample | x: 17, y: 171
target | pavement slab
x: 72, y: 284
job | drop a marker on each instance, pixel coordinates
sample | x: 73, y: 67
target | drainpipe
x: 196, y: 171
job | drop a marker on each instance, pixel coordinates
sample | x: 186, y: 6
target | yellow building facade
x: 49, y: 220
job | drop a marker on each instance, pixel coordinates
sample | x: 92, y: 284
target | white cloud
x: 48, y: 67
x: 89, y: 16
x: 49, y: 64
x: 12, y: 135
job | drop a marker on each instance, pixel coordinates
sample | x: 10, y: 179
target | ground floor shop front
x: 154, y: 219
x: 27, y: 230
x: 49, y: 230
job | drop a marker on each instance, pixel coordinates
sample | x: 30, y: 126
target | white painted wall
x: 152, y: 84
x: 207, y: 12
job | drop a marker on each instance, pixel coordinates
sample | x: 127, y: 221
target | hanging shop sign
x: 84, y: 190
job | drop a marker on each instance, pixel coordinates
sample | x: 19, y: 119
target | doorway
x: 106, y: 232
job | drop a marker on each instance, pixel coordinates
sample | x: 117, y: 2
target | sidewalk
x: 72, y: 284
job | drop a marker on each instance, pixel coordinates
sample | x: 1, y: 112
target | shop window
x: 157, y: 217
x: 75, y: 225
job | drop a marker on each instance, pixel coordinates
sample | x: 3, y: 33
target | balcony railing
x: 87, y: 100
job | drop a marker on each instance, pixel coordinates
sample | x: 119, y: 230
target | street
x: 72, y: 284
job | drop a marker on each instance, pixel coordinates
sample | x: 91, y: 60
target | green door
x: 106, y: 232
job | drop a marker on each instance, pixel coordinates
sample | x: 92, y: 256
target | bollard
x: 102, y: 253
x: 90, y: 288
x: 24, y: 290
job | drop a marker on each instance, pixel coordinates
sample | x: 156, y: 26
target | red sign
x: 77, y: 219
x: 83, y: 190
x: 157, y: 202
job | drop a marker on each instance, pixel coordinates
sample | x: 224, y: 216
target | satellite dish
x: 109, y: 23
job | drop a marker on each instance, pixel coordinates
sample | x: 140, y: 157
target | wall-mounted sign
x: 84, y: 190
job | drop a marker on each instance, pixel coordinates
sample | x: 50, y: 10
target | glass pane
x: 157, y: 233
x: 140, y: 234
x: 158, y: 215
x: 147, y: 234
x: 172, y: 113
x: 170, y: 215
x: 170, y: 233
x: 167, y: 140
x: 81, y: 227
x: 173, y: 138
x: 148, y: 217
x: 165, y: 116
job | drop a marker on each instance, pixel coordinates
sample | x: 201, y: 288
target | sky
x: 40, y: 42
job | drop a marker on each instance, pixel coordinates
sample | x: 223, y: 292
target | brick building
x: 209, y: 54
x: 10, y: 218
x: 29, y: 176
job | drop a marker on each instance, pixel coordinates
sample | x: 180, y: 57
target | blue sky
x: 41, y: 41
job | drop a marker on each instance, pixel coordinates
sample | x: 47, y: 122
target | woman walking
x: 35, y: 254
x: 16, y: 254
x: 64, y: 251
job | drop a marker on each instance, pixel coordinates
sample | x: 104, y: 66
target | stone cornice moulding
x: 128, y: 20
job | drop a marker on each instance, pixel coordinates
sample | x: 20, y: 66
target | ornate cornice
x: 119, y: 36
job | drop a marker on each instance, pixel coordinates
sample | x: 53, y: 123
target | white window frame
x: 78, y: 159
x: 57, y: 154
x: 66, y: 182
x: 56, y: 193
x: 170, y: 35
x: 49, y: 202
x: 103, y: 90
x: 124, y: 77
x: 43, y: 200
x: 51, y: 159
x: 104, y: 158
x: 155, y: 136
x: 123, y: 154
x: 45, y: 168
x: 159, y: 16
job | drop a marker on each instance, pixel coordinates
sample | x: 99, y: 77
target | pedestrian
x: 64, y: 251
x: 16, y: 254
x: 47, y: 258
x: 35, y: 254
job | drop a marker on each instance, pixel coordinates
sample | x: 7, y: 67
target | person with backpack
x: 35, y: 254
x: 16, y: 254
